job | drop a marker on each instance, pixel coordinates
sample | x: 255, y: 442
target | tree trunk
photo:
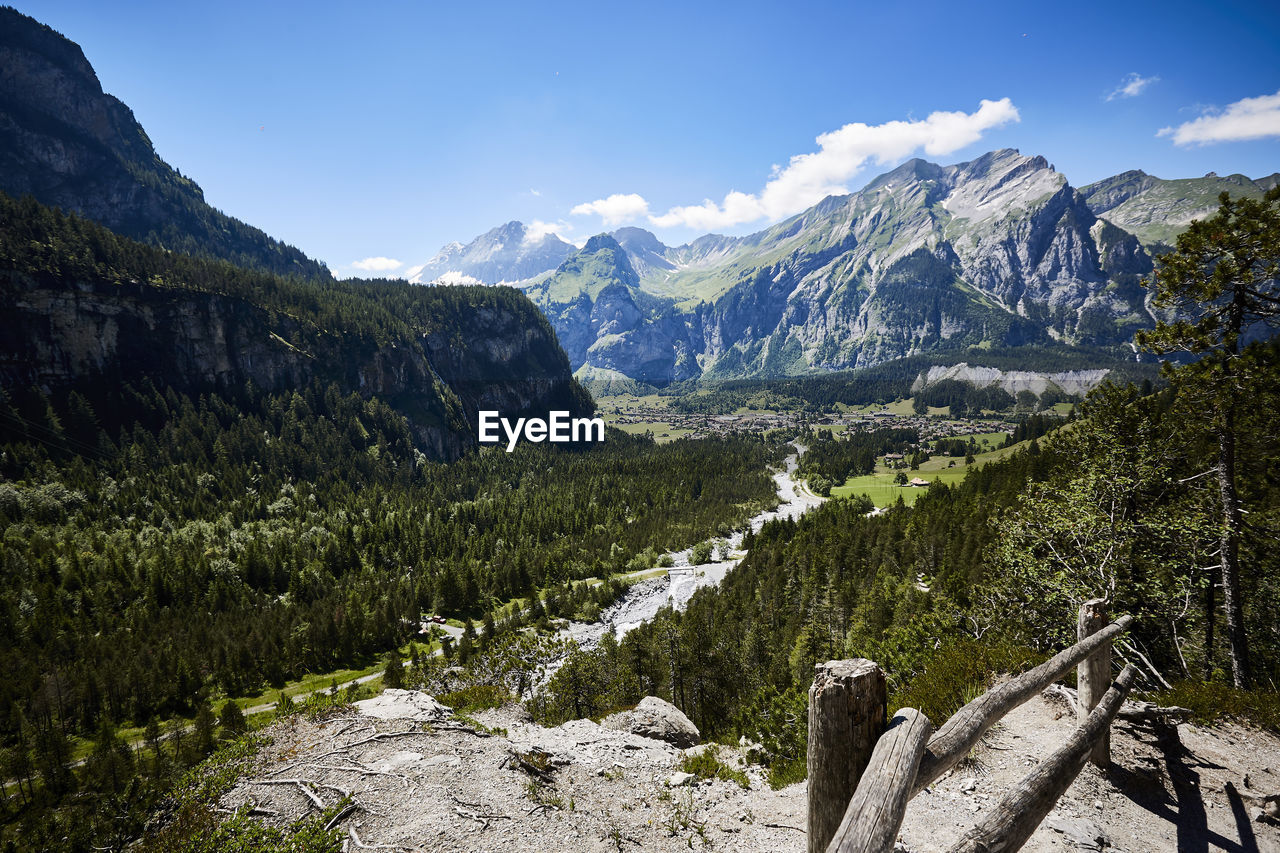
x: 1230, y: 548
x: 1210, y: 616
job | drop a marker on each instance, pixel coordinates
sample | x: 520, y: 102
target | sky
x: 369, y: 135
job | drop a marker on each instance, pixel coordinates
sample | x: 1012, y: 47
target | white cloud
x: 537, y: 229
x: 1248, y: 118
x: 1131, y: 86
x: 535, y: 192
x: 808, y: 178
x: 616, y: 209
x: 378, y: 264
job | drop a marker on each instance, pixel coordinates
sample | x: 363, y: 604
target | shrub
x: 706, y: 764
x: 476, y: 697
x: 1211, y: 702
x: 958, y: 673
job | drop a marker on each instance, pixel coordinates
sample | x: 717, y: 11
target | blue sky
x: 383, y: 130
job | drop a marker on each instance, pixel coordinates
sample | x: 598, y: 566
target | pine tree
x: 231, y: 718
x: 204, y: 727
x: 1225, y: 275
x: 393, y: 674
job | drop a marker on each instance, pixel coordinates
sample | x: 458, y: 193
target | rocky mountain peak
x: 601, y: 261
x: 601, y: 242
x: 637, y: 240
x: 504, y: 253
x: 912, y: 170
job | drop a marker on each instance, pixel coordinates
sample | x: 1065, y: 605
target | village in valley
x: 901, y: 474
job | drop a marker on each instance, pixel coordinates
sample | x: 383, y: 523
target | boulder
x: 395, y: 704
x: 657, y: 719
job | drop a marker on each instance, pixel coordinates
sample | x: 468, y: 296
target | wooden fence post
x: 847, y: 707
x: 1093, y: 674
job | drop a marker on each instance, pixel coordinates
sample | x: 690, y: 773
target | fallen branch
x: 355, y: 837
x: 371, y: 739
x: 336, y: 819
x: 365, y: 771
x: 1131, y: 711
x: 304, y: 786
x: 1151, y: 668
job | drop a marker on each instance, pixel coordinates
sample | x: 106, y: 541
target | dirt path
x: 1162, y: 792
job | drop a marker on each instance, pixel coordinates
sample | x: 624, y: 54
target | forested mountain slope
x: 85, y: 308
x: 65, y: 141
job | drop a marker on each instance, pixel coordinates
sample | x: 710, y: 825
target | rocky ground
x: 421, y: 780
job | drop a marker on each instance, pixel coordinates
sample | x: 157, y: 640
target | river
x: 644, y: 599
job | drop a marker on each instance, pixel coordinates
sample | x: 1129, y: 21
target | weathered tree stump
x: 875, y: 813
x: 1093, y: 674
x: 847, y: 706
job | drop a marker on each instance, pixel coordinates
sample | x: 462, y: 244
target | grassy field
x: 662, y: 430
x: 882, y: 491
x: 879, y: 486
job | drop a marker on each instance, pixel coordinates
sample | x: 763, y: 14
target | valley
x: 539, y: 542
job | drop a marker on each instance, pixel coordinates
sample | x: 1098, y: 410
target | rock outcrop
x: 485, y: 348
x: 658, y: 719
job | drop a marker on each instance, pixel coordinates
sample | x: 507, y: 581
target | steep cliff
x: 65, y: 141
x: 81, y: 305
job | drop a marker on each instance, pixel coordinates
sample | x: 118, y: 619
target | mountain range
x: 998, y: 251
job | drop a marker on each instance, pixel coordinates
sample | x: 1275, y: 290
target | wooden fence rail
x: 861, y: 781
x: 875, y: 813
x: 962, y: 732
x: 1006, y: 827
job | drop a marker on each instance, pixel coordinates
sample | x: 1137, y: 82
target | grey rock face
x: 54, y: 335
x: 658, y: 719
